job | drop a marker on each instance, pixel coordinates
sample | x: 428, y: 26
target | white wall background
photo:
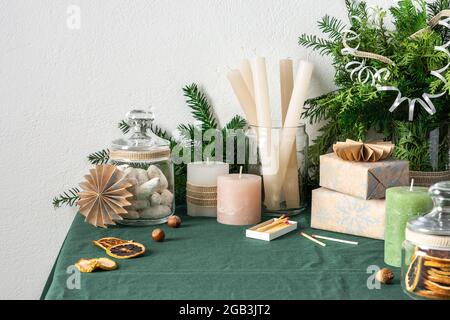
x: 63, y: 91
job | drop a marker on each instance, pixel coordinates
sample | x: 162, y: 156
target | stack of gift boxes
x: 351, y: 197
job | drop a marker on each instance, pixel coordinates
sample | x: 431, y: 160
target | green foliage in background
x: 354, y: 108
x: 202, y: 112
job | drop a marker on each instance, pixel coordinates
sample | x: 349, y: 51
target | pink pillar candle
x: 239, y: 199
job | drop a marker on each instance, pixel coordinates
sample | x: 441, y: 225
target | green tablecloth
x: 206, y: 260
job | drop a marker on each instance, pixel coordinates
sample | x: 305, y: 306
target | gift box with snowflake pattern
x: 338, y: 212
x: 365, y: 180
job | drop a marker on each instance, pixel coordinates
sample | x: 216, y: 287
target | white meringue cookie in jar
x: 146, y: 161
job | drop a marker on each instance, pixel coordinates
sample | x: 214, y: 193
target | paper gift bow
x: 364, y: 152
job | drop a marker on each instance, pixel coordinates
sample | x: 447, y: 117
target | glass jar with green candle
x: 402, y: 204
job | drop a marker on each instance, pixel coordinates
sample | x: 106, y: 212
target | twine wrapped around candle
x: 202, y: 196
x: 201, y: 187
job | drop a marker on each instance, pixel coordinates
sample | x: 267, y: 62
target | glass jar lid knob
x: 140, y: 120
x: 437, y: 222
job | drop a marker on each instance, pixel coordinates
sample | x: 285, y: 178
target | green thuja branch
x: 413, y: 144
x: 68, y: 198
x: 356, y: 109
x: 408, y: 18
x: 433, y: 9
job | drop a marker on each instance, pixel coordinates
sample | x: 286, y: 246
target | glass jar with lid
x: 426, y: 250
x: 146, y: 161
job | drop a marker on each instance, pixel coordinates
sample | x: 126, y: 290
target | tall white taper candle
x: 262, y: 101
x: 243, y: 94
x: 290, y: 186
x: 246, y: 71
x: 298, y: 98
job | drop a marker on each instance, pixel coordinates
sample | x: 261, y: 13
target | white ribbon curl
x: 359, y: 70
x: 425, y: 101
x: 364, y: 74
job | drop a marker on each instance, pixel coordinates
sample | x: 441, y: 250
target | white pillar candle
x: 239, y: 199
x: 204, y: 175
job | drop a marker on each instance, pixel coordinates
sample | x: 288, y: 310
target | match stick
x: 335, y: 240
x: 312, y: 239
x: 273, y: 225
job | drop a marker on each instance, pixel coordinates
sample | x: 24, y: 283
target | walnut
x: 385, y: 276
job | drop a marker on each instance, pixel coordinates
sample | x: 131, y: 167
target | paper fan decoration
x: 104, y: 196
x: 364, y: 152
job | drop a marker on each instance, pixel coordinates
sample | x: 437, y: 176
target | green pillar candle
x: 402, y: 204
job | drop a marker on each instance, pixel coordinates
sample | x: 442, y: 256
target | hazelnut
x: 174, y: 222
x: 158, y: 235
x: 385, y: 276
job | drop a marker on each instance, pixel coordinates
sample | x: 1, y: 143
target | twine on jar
x: 120, y: 155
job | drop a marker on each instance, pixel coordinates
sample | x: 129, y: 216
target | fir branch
x: 324, y: 47
x: 124, y: 127
x: 237, y: 122
x: 68, y: 198
x: 201, y: 109
x: 187, y: 131
x: 160, y: 132
x: 99, y: 157
x: 333, y: 26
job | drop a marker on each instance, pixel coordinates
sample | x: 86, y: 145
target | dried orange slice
x: 106, y: 264
x: 439, y: 279
x: 431, y: 295
x: 412, y: 277
x: 109, y: 242
x: 126, y: 250
x: 90, y: 265
x: 86, y: 265
x: 442, y: 260
x: 437, y: 288
x: 437, y: 264
x: 440, y: 272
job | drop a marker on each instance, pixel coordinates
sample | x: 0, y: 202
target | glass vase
x: 280, y: 156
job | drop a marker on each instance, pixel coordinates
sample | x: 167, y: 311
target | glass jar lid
x: 433, y: 229
x: 141, y: 143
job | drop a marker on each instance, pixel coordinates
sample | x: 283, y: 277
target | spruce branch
x: 67, y: 198
x: 99, y: 157
x: 324, y: 47
x: 333, y: 26
x: 201, y: 109
x: 236, y: 123
x: 124, y: 127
